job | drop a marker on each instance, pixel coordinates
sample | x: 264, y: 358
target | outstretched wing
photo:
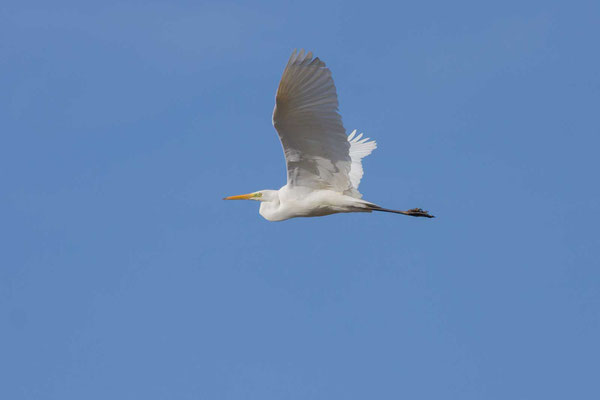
x: 309, y: 126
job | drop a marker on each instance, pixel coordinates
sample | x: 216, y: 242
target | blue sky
x: 124, y: 275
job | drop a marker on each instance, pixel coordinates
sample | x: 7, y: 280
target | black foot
x: 418, y: 212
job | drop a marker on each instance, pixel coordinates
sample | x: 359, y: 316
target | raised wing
x: 310, y: 129
x: 359, y: 149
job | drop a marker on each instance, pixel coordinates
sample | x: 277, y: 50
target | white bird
x: 323, y: 164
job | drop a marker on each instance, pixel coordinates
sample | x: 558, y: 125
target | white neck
x: 269, y: 205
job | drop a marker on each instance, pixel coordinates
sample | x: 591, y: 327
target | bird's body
x: 290, y: 202
x: 324, y: 166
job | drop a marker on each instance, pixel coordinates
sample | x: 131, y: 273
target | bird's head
x: 261, y: 195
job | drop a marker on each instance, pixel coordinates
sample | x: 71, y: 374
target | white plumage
x: 309, y: 126
x: 324, y: 166
x: 359, y: 149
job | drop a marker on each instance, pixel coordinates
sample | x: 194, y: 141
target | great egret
x: 323, y: 164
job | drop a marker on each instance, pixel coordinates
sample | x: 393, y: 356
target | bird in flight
x: 324, y: 165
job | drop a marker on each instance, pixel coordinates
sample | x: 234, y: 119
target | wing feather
x: 359, y: 149
x: 309, y: 126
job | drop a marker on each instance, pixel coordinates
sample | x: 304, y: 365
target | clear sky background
x: 125, y: 276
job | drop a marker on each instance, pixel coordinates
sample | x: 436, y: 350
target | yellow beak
x: 240, y: 197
